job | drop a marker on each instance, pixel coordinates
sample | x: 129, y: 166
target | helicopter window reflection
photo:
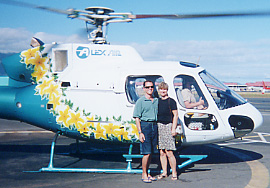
x: 134, y: 86
x: 222, y: 95
x: 188, y: 93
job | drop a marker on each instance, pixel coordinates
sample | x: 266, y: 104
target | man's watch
x: 140, y: 132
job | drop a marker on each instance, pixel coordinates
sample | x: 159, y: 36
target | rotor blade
x: 189, y: 16
x: 29, y: 5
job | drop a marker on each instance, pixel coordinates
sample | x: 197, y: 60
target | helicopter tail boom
x: 7, y: 102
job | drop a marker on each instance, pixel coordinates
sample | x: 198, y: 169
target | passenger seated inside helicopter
x: 189, y: 98
x: 188, y: 93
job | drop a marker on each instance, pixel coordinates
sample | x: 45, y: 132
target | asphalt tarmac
x: 24, y: 149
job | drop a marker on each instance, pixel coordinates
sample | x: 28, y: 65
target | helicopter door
x: 191, y: 98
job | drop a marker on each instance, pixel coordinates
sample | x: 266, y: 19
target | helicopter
x: 88, y: 91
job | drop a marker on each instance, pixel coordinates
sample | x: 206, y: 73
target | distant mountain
x: 3, y: 55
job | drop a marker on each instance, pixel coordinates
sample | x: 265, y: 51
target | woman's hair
x: 163, y: 85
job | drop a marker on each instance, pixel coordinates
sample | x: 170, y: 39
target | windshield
x: 222, y: 95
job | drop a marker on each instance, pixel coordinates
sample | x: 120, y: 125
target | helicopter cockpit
x: 187, y: 90
x: 223, y: 96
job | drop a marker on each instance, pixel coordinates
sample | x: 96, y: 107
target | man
x: 145, y: 114
x: 189, y: 98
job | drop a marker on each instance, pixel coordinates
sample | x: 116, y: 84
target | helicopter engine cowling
x: 17, y: 70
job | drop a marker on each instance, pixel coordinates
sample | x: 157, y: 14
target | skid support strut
x: 127, y: 170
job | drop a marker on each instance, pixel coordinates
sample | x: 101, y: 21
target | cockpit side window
x: 134, y: 86
x: 188, y: 93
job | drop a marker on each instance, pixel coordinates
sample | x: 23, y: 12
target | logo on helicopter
x: 84, y: 52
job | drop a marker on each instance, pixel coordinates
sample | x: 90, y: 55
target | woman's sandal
x: 174, y: 178
x: 152, y: 178
x: 146, y: 180
x: 162, y: 176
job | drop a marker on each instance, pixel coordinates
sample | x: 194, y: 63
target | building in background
x: 259, y: 86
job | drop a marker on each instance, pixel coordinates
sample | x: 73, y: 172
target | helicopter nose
x: 257, y: 118
x: 247, y: 120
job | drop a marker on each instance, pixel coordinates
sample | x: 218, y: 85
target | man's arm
x: 193, y: 105
x: 138, y: 124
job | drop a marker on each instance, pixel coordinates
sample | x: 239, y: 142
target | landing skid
x: 129, y: 170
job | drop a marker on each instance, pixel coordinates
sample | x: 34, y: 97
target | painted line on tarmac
x: 257, y: 141
x: 261, y: 137
x: 237, y: 143
x: 259, y: 173
x: 23, y: 132
x: 247, y: 140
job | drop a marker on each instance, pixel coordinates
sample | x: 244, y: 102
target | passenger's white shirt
x: 188, y: 96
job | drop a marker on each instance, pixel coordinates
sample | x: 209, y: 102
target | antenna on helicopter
x: 198, y: 60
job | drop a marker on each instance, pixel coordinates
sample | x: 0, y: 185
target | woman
x: 167, y: 122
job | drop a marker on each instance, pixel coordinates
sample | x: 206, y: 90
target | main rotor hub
x: 98, y: 18
x: 100, y: 10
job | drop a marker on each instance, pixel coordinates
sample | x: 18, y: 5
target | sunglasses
x: 147, y: 87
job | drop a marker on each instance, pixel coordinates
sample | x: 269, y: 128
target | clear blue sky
x: 233, y: 49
